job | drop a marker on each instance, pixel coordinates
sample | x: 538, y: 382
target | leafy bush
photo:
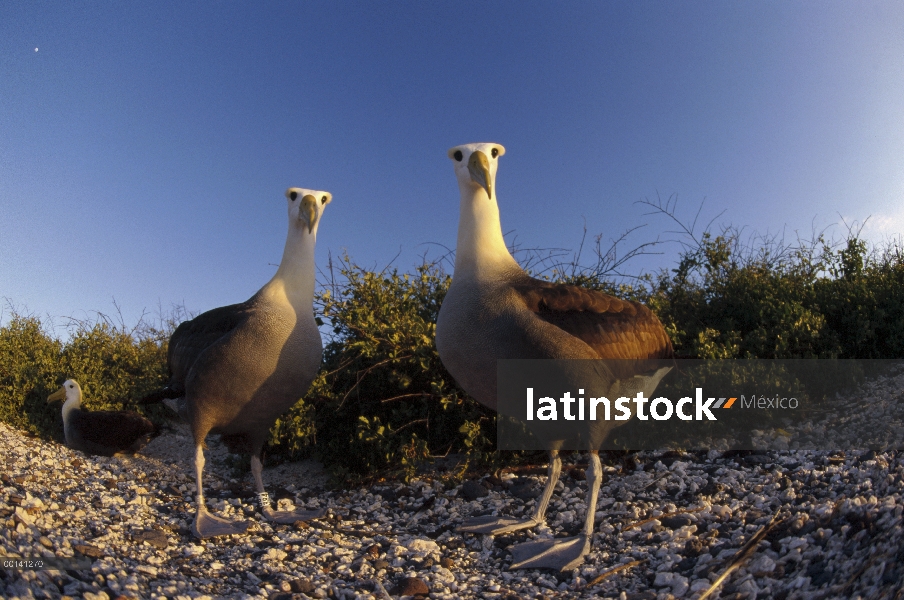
x: 810, y: 300
x: 862, y: 300
x: 29, y: 363
x: 383, y: 400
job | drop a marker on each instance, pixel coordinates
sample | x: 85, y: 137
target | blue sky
x: 145, y: 147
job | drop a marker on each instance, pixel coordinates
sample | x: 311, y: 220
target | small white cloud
x: 881, y: 227
x: 885, y: 224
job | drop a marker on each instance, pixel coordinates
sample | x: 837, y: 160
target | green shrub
x: 29, y: 363
x: 383, y: 400
x: 862, y: 300
x: 779, y: 301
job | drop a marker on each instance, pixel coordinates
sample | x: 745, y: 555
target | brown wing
x: 114, y: 429
x: 192, y: 337
x: 614, y: 328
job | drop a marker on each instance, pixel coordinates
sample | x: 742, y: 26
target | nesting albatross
x: 101, y: 432
x: 494, y: 310
x: 235, y: 369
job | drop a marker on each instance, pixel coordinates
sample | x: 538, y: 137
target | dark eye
x: 494, y: 152
x: 323, y: 200
x: 293, y: 196
x: 458, y: 155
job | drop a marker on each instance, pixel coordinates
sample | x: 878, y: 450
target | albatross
x: 494, y: 310
x: 235, y: 369
x: 101, y: 432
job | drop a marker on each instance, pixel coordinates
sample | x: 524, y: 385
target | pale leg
x: 206, y: 524
x: 563, y: 554
x: 496, y: 525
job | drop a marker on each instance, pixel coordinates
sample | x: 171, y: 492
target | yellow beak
x: 60, y: 394
x: 479, y: 168
x: 309, y: 211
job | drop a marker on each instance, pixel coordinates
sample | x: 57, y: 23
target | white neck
x: 480, y: 246
x: 294, y: 279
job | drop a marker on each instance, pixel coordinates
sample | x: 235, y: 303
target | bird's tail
x: 162, y: 394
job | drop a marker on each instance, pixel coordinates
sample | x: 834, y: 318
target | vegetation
x: 771, y: 299
x: 383, y: 403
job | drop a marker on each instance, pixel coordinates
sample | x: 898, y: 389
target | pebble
x: 158, y: 539
x: 677, y: 518
x: 412, y: 586
x: 301, y: 586
x: 472, y: 490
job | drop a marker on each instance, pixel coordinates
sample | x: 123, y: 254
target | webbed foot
x: 291, y: 516
x: 207, y: 525
x: 495, y: 525
x: 562, y: 554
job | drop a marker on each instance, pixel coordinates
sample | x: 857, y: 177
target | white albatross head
x: 475, y: 166
x: 306, y: 207
x: 70, y: 391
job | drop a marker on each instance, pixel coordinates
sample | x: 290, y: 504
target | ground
x: 669, y: 524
